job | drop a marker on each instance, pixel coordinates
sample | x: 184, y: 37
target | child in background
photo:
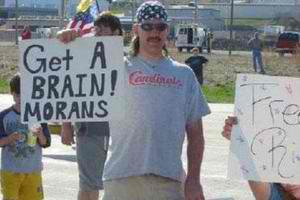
x: 196, y: 63
x: 21, y: 156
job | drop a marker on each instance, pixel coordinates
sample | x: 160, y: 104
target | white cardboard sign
x: 79, y: 81
x: 265, y: 145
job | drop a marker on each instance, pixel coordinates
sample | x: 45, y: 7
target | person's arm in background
x: 195, y: 149
x: 188, y: 61
x: 43, y: 136
x: 250, y: 43
x: 260, y: 190
x: 203, y: 60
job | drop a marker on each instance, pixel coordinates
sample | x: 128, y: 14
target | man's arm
x: 195, y: 149
x: 250, y: 43
x: 67, y: 132
x: 44, y: 136
x: 260, y: 190
x: 67, y: 135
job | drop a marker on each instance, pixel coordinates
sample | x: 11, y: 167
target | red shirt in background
x: 26, y: 35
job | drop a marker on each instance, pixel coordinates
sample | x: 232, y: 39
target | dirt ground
x: 220, y: 70
x: 8, y: 61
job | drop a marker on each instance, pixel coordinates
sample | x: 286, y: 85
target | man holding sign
x: 164, y: 102
x: 91, y: 137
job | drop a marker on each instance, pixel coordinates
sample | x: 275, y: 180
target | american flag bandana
x: 151, y: 10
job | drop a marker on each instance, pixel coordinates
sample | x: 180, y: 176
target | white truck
x: 189, y: 36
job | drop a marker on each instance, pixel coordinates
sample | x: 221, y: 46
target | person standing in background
x: 256, y: 46
x: 26, y: 33
x: 196, y: 62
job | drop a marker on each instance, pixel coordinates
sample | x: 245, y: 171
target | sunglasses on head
x: 150, y: 27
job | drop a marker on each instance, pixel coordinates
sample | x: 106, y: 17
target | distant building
x: 274, y: 1
x: 25, y: 11
x: 34, y: 23
x: 206, y: 17
x: 255, y: 1
x: 245, y: 10
x: 1, y: 3
x: 70, y: 5
x: 34, y: 3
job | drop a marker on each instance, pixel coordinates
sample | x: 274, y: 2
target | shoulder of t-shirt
x: 6, y: 111
x: 184, y: 68
x: 3, y: 114
x: 177, y: 64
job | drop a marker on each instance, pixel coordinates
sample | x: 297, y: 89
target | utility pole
x: 133, y: 2
x: 16, y: 20
x: 231, y: 24
x: 196, y: 12
x: 62, y: 14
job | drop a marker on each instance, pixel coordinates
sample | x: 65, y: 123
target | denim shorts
x: 276, y: 192
x: 91, y: 156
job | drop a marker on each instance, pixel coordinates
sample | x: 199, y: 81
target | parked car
x: 288, y: 42
x: 189, y: 36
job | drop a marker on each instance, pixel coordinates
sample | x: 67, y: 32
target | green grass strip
x: 219, y: 94
x: 4, y: 86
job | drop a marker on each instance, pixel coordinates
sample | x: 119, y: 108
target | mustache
x: 154, y: 38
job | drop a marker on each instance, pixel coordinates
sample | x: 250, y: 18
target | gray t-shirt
x: 162, y: 98
x: 255, y: 44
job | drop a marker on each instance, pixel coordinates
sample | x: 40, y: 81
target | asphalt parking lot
x: 60, y: 176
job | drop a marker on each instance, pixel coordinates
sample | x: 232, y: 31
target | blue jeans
x: 257, y: 61
x: 276, y: 192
